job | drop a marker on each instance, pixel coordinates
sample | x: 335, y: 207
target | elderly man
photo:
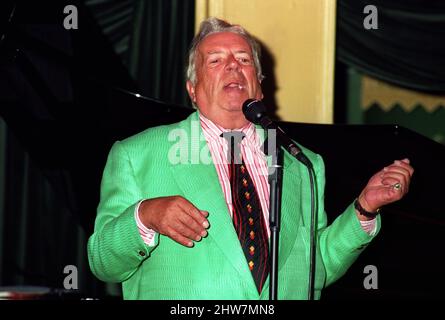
x: 188, y: 229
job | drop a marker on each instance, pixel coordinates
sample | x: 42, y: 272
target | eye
x: 244, y: 60
x: 214, y: 61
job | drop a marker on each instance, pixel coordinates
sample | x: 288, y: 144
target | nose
x: 232, y: 64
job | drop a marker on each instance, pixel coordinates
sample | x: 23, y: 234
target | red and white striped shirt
x: 252, y: 155
x: 255, y: 161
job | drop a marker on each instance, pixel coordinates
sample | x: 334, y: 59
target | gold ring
x: 397, y: 186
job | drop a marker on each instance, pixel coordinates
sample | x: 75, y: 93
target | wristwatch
x: 363, y: 212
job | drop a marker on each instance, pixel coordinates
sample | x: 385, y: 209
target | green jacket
x: 143, y: 166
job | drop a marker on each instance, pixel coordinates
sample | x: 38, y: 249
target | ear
x: 191, y: 90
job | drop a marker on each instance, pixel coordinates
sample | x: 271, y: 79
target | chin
x: 235, y: 105
x: 234, y: 108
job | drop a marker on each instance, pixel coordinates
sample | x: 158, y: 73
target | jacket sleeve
x: 116, y: 249
x: 344, y: 239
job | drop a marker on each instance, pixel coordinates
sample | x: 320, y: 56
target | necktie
x: 248, y: 217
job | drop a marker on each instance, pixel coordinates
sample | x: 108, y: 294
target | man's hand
x: 176, y: 218
x: 386, y: 186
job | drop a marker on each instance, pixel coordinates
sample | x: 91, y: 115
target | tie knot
x: 234, y: 139
x: 236, y: 136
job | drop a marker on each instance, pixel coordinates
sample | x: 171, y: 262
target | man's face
x: 225, y: 75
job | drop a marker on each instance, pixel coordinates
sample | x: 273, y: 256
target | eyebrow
x: 214, y: 52
x: 220, y: 51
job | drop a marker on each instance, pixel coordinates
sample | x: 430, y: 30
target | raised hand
x: 386, y: 186
x: 176, y: 218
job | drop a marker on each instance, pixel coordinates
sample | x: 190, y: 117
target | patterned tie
x: 247, y: 213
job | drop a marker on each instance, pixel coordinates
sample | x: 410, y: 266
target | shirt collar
x: 214, y: 131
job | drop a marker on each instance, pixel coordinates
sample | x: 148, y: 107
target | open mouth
x: 234, y: 86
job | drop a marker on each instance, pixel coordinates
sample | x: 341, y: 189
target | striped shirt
x: 255, y: 161
x: 252, y: 155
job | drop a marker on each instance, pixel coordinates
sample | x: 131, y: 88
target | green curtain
x: 407, y: 49
x: 152, y: 39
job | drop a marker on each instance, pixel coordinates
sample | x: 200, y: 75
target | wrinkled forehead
x: 222, y: 41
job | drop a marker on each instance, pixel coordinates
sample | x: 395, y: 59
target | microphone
x: 255, y: 111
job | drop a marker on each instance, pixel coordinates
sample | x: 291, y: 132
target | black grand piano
x: 65, y: 97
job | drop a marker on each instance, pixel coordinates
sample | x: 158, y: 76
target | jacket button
x: 142, y: 253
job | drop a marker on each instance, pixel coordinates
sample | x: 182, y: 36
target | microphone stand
x: 255, y: 111
x: 275, y: 182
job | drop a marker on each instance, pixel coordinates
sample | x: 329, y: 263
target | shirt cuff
x: 370, y: 226
x: 148, y: 235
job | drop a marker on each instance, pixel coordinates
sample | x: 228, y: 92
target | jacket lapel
x: 291, y: 201
x: 199, y: 182
x: 291, y: 213
x: 291, y: 207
